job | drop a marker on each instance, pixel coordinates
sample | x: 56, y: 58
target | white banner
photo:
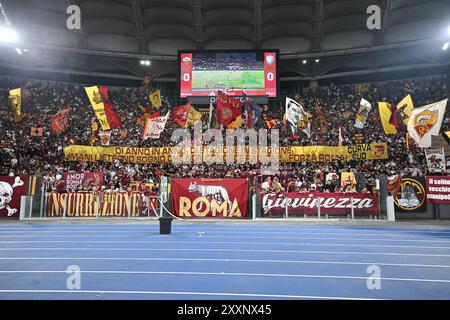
x: 363, y: 113
x: 297, y: 118
x: 425, y: 122
x: 154, y: 127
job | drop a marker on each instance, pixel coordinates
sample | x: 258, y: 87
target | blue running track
x: 223, y: 261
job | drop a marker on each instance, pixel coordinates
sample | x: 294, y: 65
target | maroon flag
x: 228, y: 108
x: 113, y: 117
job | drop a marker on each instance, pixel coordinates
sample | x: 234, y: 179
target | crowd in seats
x: 22, y: 154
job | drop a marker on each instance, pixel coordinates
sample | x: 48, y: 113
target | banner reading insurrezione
x: 91, y: 205
x: 373, y: 151
x: 438, y: 189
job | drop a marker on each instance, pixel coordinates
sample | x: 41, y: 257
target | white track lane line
x: 229, y: 274
x: 152, y: 233
x: 202, y: 234
x: 229, y: 250
x: 231, y: 260
x: 222, y: 294
x: 225, y: 242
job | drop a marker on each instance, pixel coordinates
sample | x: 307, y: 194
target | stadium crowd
x: 23, y: 154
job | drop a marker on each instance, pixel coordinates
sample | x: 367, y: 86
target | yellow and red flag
x: 186, y: 115
x: 394, y: 118
x: 108, y: 118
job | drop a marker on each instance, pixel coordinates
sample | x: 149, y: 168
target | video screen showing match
x: 205, y: 73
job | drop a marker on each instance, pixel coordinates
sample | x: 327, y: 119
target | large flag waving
x: 395, y: 118
x: 425, y: 122
x: 15, y: 99
x: 108, y: 118
x: 363, y: 113
x: 186, y: 115
x: 228, y: 108
x: 59, y: 121
x: 154, y: 127
x: 253, y: 112
x: 297, y: 118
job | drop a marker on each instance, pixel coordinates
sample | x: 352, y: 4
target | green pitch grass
x: 228, y: 79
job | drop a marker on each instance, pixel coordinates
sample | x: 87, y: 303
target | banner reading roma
x: 220, y: 198
x: 438, y: 189
x: 11, y: 190
x: 87, y: 204
x: 365, y: 204
x: 373, y: 151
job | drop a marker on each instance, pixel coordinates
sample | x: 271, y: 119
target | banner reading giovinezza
x: 11, y: 190
x: 438, y: 189
x: 274, y: 204
x: 220, y: 198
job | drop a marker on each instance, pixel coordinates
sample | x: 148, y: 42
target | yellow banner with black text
x: 373, y: 151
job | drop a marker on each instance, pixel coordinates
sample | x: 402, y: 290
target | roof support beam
x: 385, y: 9
x: 139, y: 20
x: 370, y: 71
x: 197, y: 9
x: 257, y: 22
x: 317, y: 20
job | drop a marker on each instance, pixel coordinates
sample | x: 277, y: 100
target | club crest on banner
x: 270, y: 59
x: 379, y: 150
x: 186, y: 61
x: 425, y: 121
x: 411, y: 195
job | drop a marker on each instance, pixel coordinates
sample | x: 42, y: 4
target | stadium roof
x: 116, y: 34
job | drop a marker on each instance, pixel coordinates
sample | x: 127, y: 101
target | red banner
x: 91, y: 205
x: 11, y: 190
x: 220, y: 198
x: 273, y: 204
x: 84, y: 179
x: 438, y: 189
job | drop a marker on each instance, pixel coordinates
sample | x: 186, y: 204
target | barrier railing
x: 93, y: 205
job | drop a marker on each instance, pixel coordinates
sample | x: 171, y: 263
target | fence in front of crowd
x: 413, y: 198
x: 320, y: 205
x: 93, y: 205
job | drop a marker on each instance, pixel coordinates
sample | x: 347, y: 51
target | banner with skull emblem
x: 11, y: 191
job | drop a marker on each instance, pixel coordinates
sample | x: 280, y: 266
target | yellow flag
x: 404, y: 109
x: 155, y: 99
x: 98, y: 106
x: 348, y: 178
x: 385, y: 114
x: 236, y: 124
x: 15, y: 98
x: 94, y: 126
x: 193, y: 117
